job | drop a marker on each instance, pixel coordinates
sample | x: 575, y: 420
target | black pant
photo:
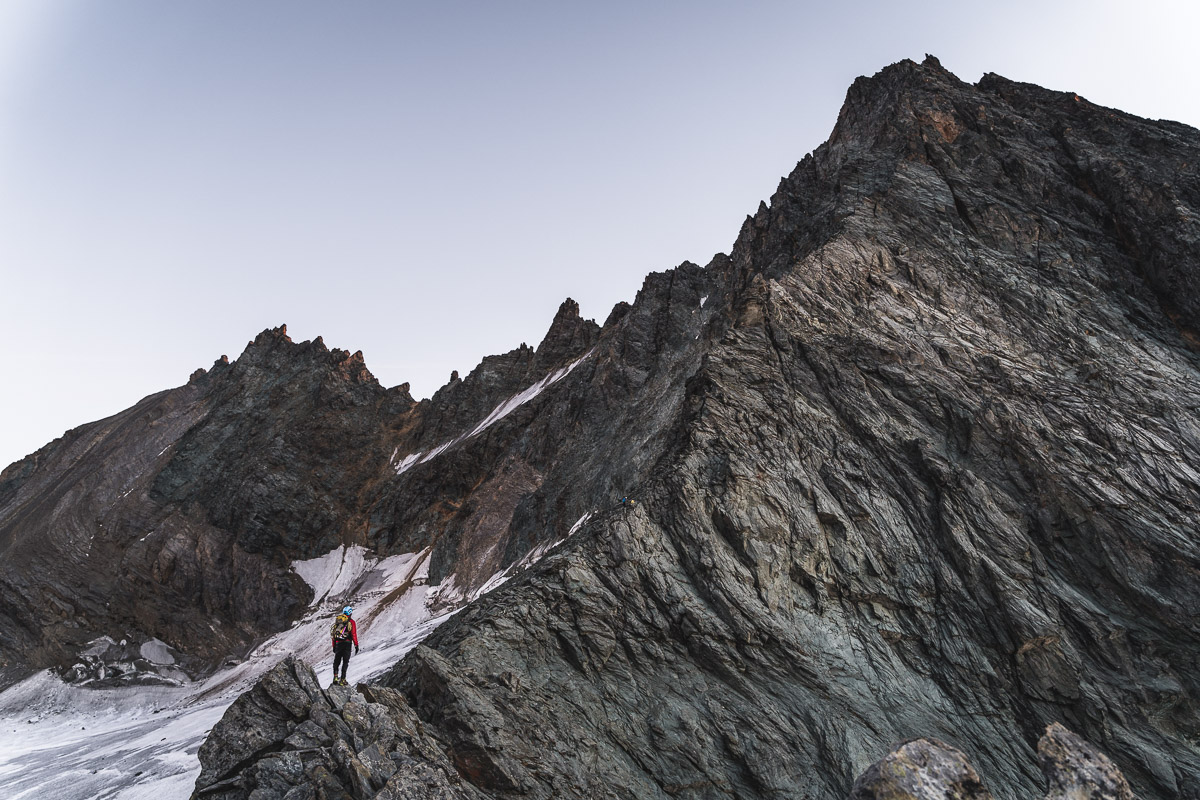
x: 341, y: 655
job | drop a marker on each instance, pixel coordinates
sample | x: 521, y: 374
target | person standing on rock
x: 344, y: 633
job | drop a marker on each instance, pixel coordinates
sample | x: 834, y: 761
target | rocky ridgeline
x: 289, y: 739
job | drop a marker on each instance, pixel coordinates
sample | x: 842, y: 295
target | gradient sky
x: 426, y: 182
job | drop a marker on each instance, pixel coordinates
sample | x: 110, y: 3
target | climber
x: 344, y: 633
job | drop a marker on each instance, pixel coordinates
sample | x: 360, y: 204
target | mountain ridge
x: 919, y: 457
x: 969, y: 455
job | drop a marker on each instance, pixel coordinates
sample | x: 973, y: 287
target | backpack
x: 341, y: 628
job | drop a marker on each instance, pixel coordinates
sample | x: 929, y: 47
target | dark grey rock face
x: 288, y: 738
x: 935, y: 473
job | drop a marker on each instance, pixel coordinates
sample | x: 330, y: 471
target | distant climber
x: 344, y: 633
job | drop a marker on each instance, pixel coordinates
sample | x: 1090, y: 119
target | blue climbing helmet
x: 348, y: 610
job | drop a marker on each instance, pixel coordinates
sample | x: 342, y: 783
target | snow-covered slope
x: 60, y: 741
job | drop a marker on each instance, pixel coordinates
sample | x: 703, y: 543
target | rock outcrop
x: 1077, y: 771
x: 936, y: 473
x: 930, y: 770
x: 289, y: 738
x: 919, y: 458
x: 922, y: 769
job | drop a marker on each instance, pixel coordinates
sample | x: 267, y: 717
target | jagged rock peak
x: 201, y: 373
x: 569, y: 334
x: 998, y: 143
x: 273, y: 349
x: 619, y: 311
x: 273, y: 336
x: 878, y: 110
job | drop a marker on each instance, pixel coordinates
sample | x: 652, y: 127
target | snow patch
x: 449, y: 593
x: 156, y: 652
x: 98, y: 646
x: 579, y: 523
x: 334, y: 574
x: 703, y: 300
x: 498, y: 413
x: 407, y: 462
x: 516, y: 401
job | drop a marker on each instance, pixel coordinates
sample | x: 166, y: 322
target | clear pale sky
x: 426, y: 182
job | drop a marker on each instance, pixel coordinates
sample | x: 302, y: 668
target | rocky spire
x: 569, y: 337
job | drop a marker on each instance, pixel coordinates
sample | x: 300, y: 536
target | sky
x: 426, y: 182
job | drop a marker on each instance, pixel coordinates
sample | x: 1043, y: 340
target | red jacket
x: 353, y: 634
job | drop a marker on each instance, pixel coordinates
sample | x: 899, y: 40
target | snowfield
x: 59, y: 741
x: 498, y: 413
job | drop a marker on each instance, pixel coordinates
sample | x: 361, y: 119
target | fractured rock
x: 923, y: 769
x: 1075, y: 770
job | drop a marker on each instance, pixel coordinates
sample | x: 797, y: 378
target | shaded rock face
x: 920, y: 457
x: 178, y: 518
